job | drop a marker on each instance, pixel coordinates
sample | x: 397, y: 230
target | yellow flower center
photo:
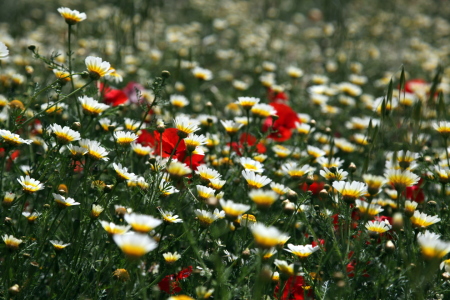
x: 133, y: 250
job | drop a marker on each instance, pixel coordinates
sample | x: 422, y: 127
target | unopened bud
x: 15, y: 289
x: 288, y: 207
x: 341, y: 283
x: 266, y: 274
x: 432, y: 203
x: 390, y: 247
x: 292, y: 196
x: 62, y: 189
x: 29, y: 70
x: 165, y: 74
x: 338, y: 275
x: 246, y: 253
x: 121, y: 211
x: 212, y: 202
x: 76, y: 126
x: 352, y: 167
x: 108, y: 188
x: 323, y: 194
x: 309, y: 179
x: 397, y: 221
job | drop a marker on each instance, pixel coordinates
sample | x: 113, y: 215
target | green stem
x: 69, y: 56
x: 173, y: 151
x: 161, y: 238
x: 83, y: 244
x: 2, y: 168
x: 47, y: 233
x: 54, y: 104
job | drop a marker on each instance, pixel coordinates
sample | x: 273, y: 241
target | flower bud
x: 352, y: 167
x: 390, y: 247
x: 165, y: 74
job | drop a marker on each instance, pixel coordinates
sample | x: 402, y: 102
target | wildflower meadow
x: 224, y: 149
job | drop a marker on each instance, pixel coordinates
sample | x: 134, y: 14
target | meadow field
x: 224, y: 149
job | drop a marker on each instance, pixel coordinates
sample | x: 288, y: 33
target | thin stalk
x: 83, y: 244
x: 54, y: 104
x: 69, y: 55
x: 47, y: 233
x: 173, y: 151
x: 446, y: 150
x: 2, y: 168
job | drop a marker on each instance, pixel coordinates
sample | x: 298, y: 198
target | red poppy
x: 276, y: 96
x: 169, y: 141
x: 15, y: 154
x: 36, y: 127
x: 294, y: 289
x: 171, y: 283
x: 315, y: 187
x: 351, y: 267
x: 115, y: 97
x: 282, y: 127
x: 185, y: 273
x: 247, y: 140
x: 77, y: 166
x: 414, y: 84
x: 384, y: 218
x: 130, y: 91
x: 355, y: 217
x: 415, y: 192
x: 319, y: 241
x: 20, y: 120
x: 351, y: 270
x: 146, y: 138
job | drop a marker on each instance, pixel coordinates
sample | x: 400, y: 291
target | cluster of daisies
x: 247, y: 165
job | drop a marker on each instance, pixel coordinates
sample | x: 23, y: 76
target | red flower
x: 247, y: 140
x: 414, y: 84
x: 282, y: 127
x: 130, y: 91
x: 146, y: 138
x: 15, y: 154
x: 294, y: 289
x: 274, y: 96
x: 185, y: 273
x: 115, y: 97
x: 383, y: 218
x: 351, y: 267
x: 415, y: 192
x: 315, y: 187
x: 355, y: 217
x: 351, y: 270
x: 171, y: 283
x: 77, y: 166
x: 169, y: 141
x: 320, y: 241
